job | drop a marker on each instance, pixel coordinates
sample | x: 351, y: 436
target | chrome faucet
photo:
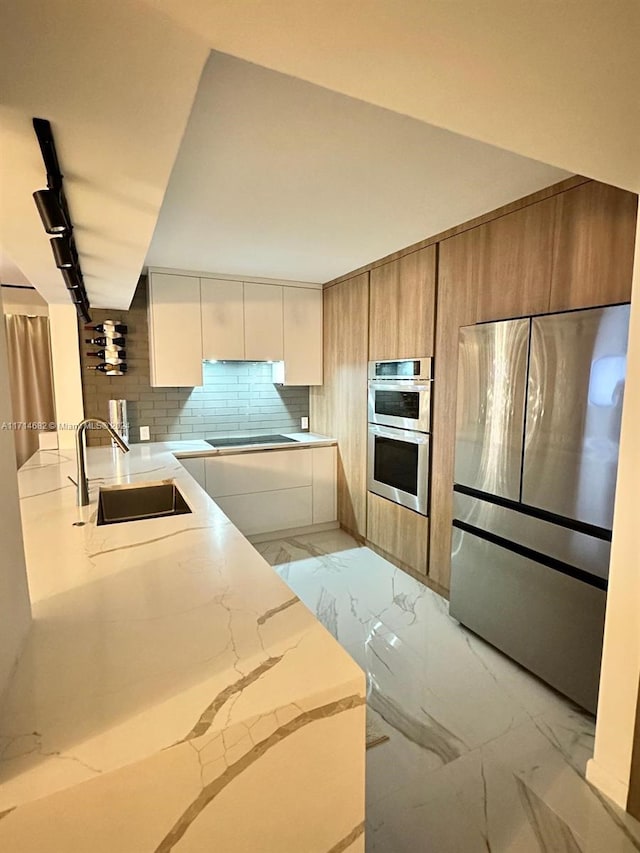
x: 83, y: 483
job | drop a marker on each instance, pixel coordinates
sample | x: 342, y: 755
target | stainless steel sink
x: 135, y: 501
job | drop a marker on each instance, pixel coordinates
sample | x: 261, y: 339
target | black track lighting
x: 51, y: 212
x: 64, y: 252
x: 54, y: 212
x: 72, y: 279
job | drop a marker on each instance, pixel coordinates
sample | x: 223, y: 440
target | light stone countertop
x: 150, y: 633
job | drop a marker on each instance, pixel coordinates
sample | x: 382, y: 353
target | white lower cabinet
x: 324, y: 461
x: 274, y: 490
x: 195, y: 466
x: 265, y: 471
x: 263, y: 512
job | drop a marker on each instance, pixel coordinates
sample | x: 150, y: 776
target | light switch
x: 144, y: 433
x: 304, y: 423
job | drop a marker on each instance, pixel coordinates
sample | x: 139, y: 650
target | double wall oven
x: 399, y: 425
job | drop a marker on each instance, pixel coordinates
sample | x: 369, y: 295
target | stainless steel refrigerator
x: 538, y: 427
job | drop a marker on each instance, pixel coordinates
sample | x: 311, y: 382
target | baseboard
x: 608, y: 784
x: 292, y: 531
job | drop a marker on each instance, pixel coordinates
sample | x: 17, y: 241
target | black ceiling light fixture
x: 54, y: 212
x: 64, y: 252
x: 51, y: 212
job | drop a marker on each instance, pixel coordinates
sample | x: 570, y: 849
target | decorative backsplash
x: 236, y: 398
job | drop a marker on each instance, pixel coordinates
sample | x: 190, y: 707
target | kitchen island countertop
x: 151, y: 638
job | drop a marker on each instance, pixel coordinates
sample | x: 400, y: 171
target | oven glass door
x: 398, y: 466
x: 406, y: 405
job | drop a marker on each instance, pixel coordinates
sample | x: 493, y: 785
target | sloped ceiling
x: 553, y: 81
x: 117, y: 81
x: 556, y: 81
x: 280, y: 178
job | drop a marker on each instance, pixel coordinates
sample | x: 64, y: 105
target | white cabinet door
x: 302, y: 312
x: 325, y: 461
x: 222, y: 319
x: 263, y: 324
x: 175, y: 337
x: 195, y: 466
x: 246, y: 473
x: 264, y: 512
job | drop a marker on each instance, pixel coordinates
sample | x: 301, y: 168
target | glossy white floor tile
x: 481, y: 757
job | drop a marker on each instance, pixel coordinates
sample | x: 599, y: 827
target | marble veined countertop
x: 151, y: 633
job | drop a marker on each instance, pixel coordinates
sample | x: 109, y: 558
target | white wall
x: 17, y: 300
x: 611, y: 765
x: 65, y: 362
x: 15, y: 610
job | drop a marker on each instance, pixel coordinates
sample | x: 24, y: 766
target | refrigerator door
x: 492, y: 370
x: 550, y: 623
x: 574, y: 408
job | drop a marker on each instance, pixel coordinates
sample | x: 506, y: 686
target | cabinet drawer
x: 246, y: 473
x: 266, y: 511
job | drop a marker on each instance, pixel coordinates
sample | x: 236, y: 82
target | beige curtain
x: 31, y: 380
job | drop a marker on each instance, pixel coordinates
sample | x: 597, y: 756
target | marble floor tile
x: 481, y: 756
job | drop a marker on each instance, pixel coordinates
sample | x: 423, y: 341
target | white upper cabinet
x: 175, y: 340
x: 302, y: 314
x: 263, y: 322
x: 193, y: 317
x: 222, y: 319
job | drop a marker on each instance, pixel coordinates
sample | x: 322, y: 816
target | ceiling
x: 280, y: 178
x: 117, y: 82
x: 556, y: 81
x: 9, y: 272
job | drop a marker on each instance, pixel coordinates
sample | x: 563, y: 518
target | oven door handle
x: 400, y: 434
x: 394, y: 385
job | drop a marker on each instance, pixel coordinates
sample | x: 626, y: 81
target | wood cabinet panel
x: 398, y: 531
x: 222, y: 319
x: 511, y: 266
x: 339, y: 407
x: 402, y: 307
x: 263, y: 322
x: 456, y: 306
x: 593, y: 247
x: 302, y: 312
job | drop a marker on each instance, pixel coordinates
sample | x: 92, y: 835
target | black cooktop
x: 251, y: 439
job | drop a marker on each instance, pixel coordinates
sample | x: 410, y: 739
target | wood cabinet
x: 263, y: 322
x: 511, y: 264
x: 339, y: 407
x: 456, y: 306
x: 593, y: 247
x: 302, y: 318
x: 398, y: 532
x: 175, y: 337
x: 402, y: 307
x: 222, y: 317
